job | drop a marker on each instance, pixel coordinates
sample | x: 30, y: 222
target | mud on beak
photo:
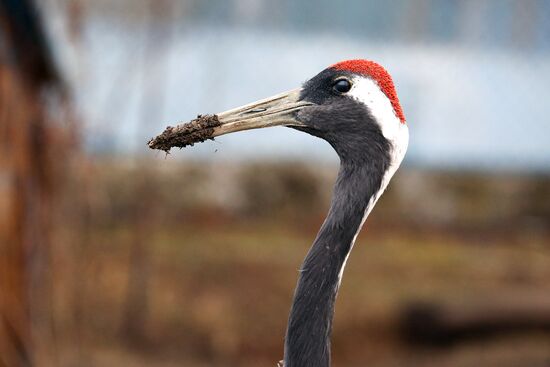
x: 279, y: 110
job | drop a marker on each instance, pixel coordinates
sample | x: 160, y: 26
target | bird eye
x: 342, y: 85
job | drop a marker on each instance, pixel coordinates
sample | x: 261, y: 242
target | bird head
x: 352, y: 105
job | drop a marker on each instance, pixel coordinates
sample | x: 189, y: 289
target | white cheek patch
x: 366, y: 91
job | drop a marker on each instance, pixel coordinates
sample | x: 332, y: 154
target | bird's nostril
x: 255, y: 110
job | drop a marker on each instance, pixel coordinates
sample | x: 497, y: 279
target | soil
x: 181, y: 136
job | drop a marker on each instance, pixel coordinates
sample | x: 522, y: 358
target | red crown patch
x: 379, y: 75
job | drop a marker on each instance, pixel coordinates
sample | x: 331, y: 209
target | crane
x: 353, y: 105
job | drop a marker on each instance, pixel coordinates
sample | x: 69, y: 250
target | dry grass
x: 220, y: 294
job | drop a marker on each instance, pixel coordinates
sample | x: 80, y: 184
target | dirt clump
x: 181, y: 136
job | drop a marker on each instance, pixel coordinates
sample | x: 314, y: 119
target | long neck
x: 307, y: 341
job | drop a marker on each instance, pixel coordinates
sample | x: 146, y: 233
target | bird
x: 352, y: 105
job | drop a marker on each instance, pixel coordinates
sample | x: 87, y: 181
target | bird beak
x: 279, y: 110
x: 273, y: 111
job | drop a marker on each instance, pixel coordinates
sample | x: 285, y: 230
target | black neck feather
x: 307, y: 341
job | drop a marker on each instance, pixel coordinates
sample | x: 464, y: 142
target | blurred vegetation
x: 222, y: 243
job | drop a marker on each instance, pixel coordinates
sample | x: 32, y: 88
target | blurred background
x: 115, y: 255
